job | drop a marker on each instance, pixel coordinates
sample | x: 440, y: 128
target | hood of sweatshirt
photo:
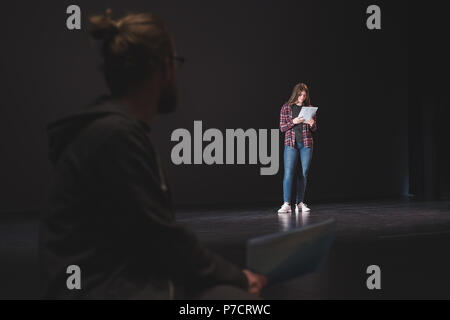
x: 63, y: 131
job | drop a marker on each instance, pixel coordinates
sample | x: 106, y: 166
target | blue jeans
x: 291, y: 156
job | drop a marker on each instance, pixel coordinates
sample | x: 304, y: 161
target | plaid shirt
x: 287, y: 126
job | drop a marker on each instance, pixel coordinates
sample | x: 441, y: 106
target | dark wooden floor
x: 410, y: 241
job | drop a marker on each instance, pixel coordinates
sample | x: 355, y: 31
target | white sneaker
x: 301, y: 206
x: 285, y: 208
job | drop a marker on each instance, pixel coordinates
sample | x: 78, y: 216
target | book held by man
x: 286, y: 255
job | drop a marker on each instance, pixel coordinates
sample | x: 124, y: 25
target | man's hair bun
x: 133, y: 47
x: 103, y: 27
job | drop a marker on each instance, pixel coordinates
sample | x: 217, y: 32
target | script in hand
x: 308, y: 112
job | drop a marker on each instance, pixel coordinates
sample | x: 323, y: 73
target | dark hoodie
x: 110, y: 214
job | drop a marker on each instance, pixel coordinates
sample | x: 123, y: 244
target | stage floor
x: 363, y: 220
x: 409, y: 240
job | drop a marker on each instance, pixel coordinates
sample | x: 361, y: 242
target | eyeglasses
x: 179, y: 61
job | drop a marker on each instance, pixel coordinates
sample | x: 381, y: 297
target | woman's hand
x: 298, y: 120
x: 255, y: 282
x: 310, y: 122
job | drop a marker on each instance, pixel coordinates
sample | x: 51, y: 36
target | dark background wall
x: 429, y: 102
x: 243, y: 59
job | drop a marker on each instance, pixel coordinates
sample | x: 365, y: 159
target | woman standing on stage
x: 298, y: 143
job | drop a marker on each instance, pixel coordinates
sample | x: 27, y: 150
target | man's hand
x: 298, y: 120
x: 255, y: 282
x: 310, y: 122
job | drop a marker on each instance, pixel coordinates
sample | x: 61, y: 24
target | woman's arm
x: 312, y: 123
x: 286, y: 122
x: 314, y: 126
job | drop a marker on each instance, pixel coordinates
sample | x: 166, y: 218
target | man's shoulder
x: 109, y: 124
x: 114, y: 130
x: 114, y: 122
x: 111, y: 118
